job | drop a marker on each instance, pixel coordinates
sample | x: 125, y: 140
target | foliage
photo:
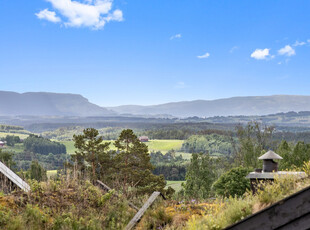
x: 171, y: 171
x: 200, y: 176
x: 64, y: 204
x: 128, y: 169
x: 36, y: 172
x: 233, y: 182
x: 213, y: 144
x: 157, y: 158
x: 293, y: 156
x: 11, y: 140
x: 90, y: 149
x: 133, y: 166
x: 7, y: 158
x: 43, y: 146
x: 254, y: 140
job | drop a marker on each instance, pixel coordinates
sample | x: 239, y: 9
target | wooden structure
x: 107, y: 188
x: 144, y: 139
x: 291, y: 213
x: 269, y: 171
x: 142, y: 210
x: 9, y: 180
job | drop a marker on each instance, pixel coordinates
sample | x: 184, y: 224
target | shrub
x: 232, y: 183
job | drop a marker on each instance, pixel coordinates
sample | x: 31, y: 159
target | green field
x: 51, y: 173
x: 21, y: 135
x: 176, y: 185
x: 164, y: 145
x: 154, y: 145
x: 18, y: 148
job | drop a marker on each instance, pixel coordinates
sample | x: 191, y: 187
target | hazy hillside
x: 258, y: 105
x: 42, y: 103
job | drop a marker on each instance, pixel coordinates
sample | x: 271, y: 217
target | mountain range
x: 235, y: 106
x: 48, y: 104
x: 61, y: 104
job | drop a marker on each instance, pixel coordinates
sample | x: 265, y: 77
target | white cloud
x: 176, y: 36
x: 206, y: 55
x: 180, y: 85
x: 94, y: 14
x: 261, y: 54
x: 297, y: 43
x: 287, y: 51
x: 308, y: 40
x: 233, y: 49
x: 48, y: 15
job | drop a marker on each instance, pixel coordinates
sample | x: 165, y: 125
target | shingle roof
x: 270, y: 155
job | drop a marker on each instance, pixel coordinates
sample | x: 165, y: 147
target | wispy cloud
x: 93, y: 14
x: 175, y: 36
x: 233, y: 49
x: 48, y: 15
x: 180, y: 85
x: 206, y: 55
x: 297, y: 43
x: 287, y: 51
x: 261, y: 54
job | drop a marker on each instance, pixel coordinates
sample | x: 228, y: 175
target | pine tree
x: 90, y: 151
x: 133, y: 166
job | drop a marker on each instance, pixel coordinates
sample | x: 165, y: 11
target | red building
x: 144, y: 139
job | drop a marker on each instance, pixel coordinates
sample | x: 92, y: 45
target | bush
x: 232, y: 183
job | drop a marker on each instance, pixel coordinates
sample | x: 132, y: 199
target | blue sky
x: 155, y: 51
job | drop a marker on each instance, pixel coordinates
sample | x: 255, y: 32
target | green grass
x: 185, y: 156
x: 176, y: 185
x: 21, y: 135
x: 69, y: 146
x: 18, y: 148
x: 50, y: 173
x: 154, y: 145
x: 164, y: 145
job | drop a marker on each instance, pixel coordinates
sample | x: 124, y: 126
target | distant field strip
x: 176, y: 185
x: 21, y: 135
x: 154, y: 145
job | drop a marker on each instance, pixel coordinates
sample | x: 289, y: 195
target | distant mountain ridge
x: 235, y: 106
x: 48, y: 104
x: 65, y: 104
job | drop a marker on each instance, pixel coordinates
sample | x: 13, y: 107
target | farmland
x: 21, y: 135
x: 176, y: 185
x: 154, y: 145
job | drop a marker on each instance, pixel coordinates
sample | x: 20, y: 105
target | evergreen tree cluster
x: 127, y: 169
x: 43, y: 146
x: 213, y: 144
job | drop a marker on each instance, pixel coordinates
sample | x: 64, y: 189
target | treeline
x: 183, y: 132
x: 8, y: 128
x: 11, y: 140
x: 49, y: 162
x: 169, y: 165
x: 43, y: 146
x: 214, y: 144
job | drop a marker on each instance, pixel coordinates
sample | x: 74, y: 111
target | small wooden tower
x: 269, y: 171
x: 269, y: 165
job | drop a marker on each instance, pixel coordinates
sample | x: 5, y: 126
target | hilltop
x: 48, y: 104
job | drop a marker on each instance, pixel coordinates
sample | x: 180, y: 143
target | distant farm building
x: 144, y: 139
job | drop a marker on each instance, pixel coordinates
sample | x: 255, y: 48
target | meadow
x: 176, y: 185
x: 21, y: 135
x: 154, y: 145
